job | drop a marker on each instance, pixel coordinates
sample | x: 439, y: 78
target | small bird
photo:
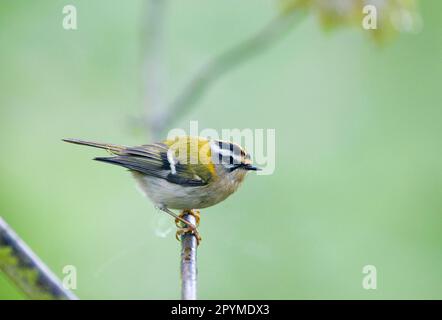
x: 185, y: 173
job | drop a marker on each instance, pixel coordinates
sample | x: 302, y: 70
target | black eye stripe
x: 229, y: 153
x: 227, y: 159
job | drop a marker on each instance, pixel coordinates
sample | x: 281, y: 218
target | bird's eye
x: 230, y: 162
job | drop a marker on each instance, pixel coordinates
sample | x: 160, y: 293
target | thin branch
x: 154, y: 109
x: 188, y: 263
x: 154, y: 64
x: 26, y: 270
x: 220, y: 65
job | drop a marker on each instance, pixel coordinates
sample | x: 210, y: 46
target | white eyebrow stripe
x: 225, y: 153
x: 171, y: 161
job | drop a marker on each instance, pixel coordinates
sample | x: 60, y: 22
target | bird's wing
x: 160, y: 161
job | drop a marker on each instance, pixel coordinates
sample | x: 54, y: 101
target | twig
x: 154, y: 64
x: 26, y: 270
x: 220, y: 65
x: 154, y: 110
x: 188, y: 263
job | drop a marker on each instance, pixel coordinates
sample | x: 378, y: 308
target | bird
x: 185, y: 173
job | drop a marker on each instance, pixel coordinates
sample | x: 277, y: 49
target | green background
x: 358, y: 176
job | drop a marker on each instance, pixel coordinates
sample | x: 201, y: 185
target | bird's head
x: 230, y: 158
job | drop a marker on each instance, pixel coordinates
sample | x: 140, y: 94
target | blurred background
x: 358, y: 177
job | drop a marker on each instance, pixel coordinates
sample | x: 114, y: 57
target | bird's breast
x: 175, y: 196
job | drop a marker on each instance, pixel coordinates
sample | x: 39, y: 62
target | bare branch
x: 220, y: 65
x: 154, y: 64
x: 188, y: 263
x: 26, y: 270
x: 153, y: 119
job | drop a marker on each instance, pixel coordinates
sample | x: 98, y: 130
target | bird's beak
x: 251, y: 167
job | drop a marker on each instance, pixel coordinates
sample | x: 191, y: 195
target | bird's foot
x: 188, y: 230
x: 187, y: 227
x: 193, y: 212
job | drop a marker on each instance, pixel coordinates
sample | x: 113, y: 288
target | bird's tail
x: 110, y: 147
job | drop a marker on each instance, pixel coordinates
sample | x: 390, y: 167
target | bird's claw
x: 188, y: 228
x: 194, y: 213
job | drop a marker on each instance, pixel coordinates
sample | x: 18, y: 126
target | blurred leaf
x: 393, y: 16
